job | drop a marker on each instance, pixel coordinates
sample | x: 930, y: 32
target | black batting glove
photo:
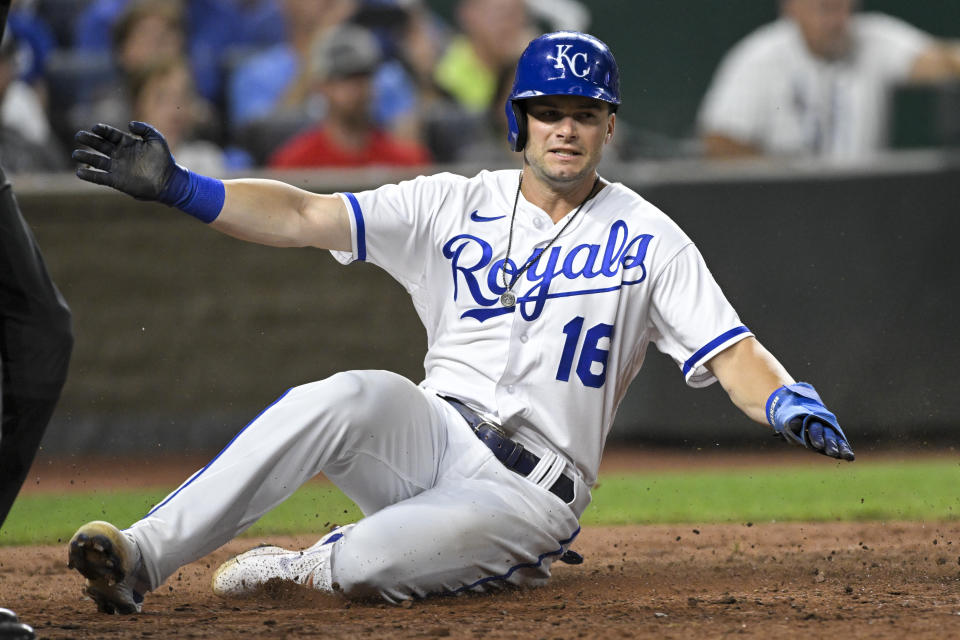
x: 140, y: 165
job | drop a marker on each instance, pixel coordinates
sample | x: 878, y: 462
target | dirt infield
x: 750, y: 580
x: 893, y: 580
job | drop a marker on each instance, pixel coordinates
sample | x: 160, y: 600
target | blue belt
x: 510, y: 453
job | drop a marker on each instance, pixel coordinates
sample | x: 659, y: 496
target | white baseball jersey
x: 553, y: 368
x: 770, y: 90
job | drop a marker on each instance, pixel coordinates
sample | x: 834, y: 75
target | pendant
x: 508, y: 299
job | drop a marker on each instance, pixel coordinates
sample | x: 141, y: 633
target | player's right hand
x: 140, y: 165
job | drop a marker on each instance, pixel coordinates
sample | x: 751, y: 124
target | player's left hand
x: 797, y: 413
x: 822, y: 438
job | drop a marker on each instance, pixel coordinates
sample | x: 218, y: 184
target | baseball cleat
x: 246, y: 573
x: 108, y: 560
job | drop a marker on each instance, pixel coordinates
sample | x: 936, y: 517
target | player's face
x: 565, y: 137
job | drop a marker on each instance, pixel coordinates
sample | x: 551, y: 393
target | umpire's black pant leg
x: 36, y: 339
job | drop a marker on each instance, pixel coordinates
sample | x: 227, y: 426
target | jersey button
x: 524, y: 338
x: 538, y: 223
x: 510, y: 388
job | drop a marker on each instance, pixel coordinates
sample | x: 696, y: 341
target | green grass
x: 900, y: 491
x: 889, y: 491
x: 49, y: 519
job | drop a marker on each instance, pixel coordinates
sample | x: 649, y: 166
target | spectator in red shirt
x: 343, y: 61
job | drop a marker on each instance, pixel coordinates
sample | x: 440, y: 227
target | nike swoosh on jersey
x: 476, y: 217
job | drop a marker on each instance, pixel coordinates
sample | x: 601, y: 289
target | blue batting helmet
x: 565, y: 63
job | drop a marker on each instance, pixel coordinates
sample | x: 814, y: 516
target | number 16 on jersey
x: 592, y: 363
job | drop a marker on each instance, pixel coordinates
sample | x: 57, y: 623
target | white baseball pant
x: 442, y: 515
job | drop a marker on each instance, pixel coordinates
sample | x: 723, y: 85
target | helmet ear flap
x: 517, y: 120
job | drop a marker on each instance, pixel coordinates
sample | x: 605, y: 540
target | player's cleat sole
x: 107, y: 559
x: 245, y: 574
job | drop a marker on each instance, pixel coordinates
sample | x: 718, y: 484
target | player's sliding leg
x: 480, y: 526
x: 488, y: 529
x: 375, y: 426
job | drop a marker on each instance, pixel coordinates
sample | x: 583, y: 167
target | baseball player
x: 540, y: 291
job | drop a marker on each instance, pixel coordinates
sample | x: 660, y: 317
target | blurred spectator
x: 410, y: 38
x: 163, y: 94
x: 477, y: 138
x: 471, y: 79
x: 816, y: 82
x: 213, y: 30
x: 495, y: 32
x: 342, y: 63
x: 26, y: 139
x: 258, y: 85
x: 35, y: 43
x: 407, y: 32
x: 145, y: 32
x: 560, y: 15
x: 273, y: 95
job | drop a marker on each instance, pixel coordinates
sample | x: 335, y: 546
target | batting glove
x: 142, y: 166
x: 797, y: 414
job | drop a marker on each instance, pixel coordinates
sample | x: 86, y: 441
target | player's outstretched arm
x: 280, y: 215
x: 139, y: 163
x: 759, y: 385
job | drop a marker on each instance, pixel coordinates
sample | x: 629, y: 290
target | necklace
x: 508, y: 298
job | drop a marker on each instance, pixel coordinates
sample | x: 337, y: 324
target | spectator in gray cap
x: 342, y: 62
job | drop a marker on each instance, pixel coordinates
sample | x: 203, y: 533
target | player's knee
x: 360, y: 397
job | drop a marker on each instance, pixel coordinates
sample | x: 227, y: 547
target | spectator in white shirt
x: 817, y: 82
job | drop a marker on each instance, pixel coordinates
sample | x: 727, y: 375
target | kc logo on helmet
x: 566, y: 61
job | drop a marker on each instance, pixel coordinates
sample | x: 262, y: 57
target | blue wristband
x: 200, y: 196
